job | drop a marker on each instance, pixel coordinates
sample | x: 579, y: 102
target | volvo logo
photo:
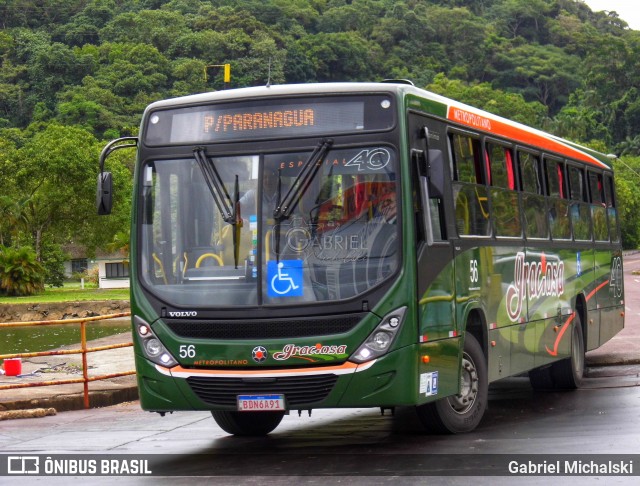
x: 183, y: 314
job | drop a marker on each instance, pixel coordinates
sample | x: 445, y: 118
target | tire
x: 566, y: 374
x: 541, y: 379
x: 569, y: 373
x: 247, y: 423
x: 461, y: 413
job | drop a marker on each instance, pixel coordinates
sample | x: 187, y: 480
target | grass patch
x: 70, y: 292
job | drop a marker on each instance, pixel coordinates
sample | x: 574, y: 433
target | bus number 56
x: 188, y: 351
x: 473, y: 271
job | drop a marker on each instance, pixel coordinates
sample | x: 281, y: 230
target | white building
x: 113, y: 272
x: 113, y: 269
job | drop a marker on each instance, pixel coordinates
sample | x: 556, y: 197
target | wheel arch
x: 580, y: 306
x: 476, y: 324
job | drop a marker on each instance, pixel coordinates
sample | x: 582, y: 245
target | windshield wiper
x: 285, y: 207
x: 229, y: 208
x: 216, y: 186
x: 237, y: 222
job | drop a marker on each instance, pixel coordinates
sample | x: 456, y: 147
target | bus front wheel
x: 463, y: 412
x: 247, y: 423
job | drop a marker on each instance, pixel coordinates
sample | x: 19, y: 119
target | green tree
x: 20, y: 272
x: 521, y: 18
x: 85, y: 26
x: 483, y: 96
x: 95, y: 108
x: 540, y: 72
x: 342, y: 56
x: 578, y: 120
x: 53, y: 258
x: 131, y: 69
x: 461, y: 37
x: 159, y: 28
x: 55, y: 171
x: 627, y: 179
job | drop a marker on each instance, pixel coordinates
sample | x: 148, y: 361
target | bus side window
x: 505, y: 207
x: 435, y: 220
x: 558, y: 205
x: 580, y: 213
x: 598, y: 209
x: 470, y: 193
x: 612, y: 213
x: 533, y: 201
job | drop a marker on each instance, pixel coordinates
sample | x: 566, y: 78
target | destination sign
x: 275, y: 118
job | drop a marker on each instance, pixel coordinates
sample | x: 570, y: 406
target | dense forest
x: 76, y: 73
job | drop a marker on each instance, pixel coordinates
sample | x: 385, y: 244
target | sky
x: 628, y: 10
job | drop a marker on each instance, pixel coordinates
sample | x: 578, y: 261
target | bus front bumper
x: 392, y: 380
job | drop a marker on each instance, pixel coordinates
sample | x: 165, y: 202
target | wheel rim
x: 464, y: 401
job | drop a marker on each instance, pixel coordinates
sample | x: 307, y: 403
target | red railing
x: 83, y: 350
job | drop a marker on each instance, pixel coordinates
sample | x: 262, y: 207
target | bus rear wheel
x: 247, y: 423
x: 463, y: 412
x: 568, y: 373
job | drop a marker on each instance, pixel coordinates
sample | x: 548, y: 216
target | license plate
x: 260, y: 403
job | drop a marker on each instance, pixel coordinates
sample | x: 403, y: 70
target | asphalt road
x: 360, y: 446
x: 352, y: 445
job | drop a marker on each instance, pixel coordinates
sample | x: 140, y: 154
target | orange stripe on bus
x: 593, y: 292
x: 520, y: 134
x: 560, y: 334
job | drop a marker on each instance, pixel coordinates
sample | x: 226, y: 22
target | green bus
x: 340, y: 245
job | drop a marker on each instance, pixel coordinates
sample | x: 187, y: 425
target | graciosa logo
x: 532, y: 280
x: 291, y: 350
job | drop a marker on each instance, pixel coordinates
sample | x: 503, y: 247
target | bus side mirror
x: 104, y: 193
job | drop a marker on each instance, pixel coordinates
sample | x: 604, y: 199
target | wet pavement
x: 622, y: 349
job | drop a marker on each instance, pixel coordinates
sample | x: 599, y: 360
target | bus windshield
x: 338, y: 238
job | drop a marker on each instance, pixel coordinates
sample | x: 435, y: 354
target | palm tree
x: 20, y: 272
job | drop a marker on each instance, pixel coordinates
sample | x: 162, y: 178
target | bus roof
x: 416, y: 98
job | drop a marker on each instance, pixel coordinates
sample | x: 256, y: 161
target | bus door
x: 435, y: 269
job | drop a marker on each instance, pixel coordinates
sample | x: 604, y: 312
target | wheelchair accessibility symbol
x: 285, y: 278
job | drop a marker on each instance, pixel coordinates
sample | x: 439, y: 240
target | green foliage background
x: 76, y: 73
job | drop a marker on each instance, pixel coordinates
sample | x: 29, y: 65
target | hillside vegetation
x: 76, y: 73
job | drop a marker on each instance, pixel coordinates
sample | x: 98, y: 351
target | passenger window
x: 558, y: 205
x: 469, y: 192
x: 576, y: 185
x: 598, y: 209
x: 533, y: 201
x: 580, y: 211
x: 596, y: 188
x: 612, y: 213
x: 555, y: 179
x: 530, y: 173
x: 500, y: 164
x: 466, y: 157
x: 505, y: 206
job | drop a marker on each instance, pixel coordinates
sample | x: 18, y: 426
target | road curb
x: 30, y: 413
x: 75, y: 401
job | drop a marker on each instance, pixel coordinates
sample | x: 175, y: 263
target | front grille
x: 298, y: 390
x: 265, y: 328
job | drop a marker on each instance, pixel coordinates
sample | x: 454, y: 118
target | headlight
x: 152, y: 347
x: 381, y: 339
